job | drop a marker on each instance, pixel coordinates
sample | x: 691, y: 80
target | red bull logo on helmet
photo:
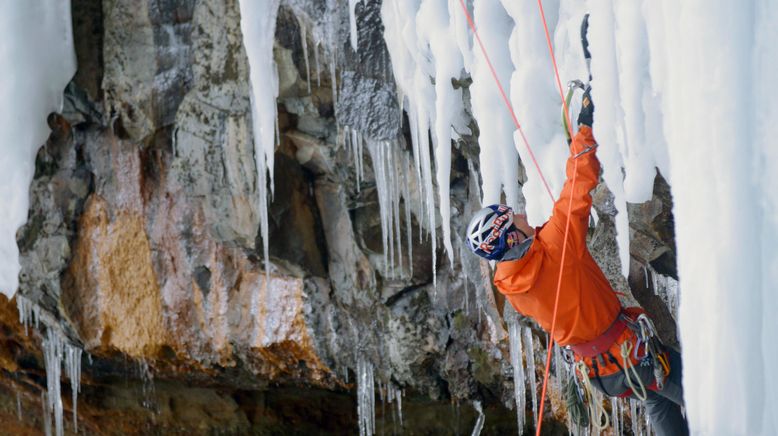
x: 498, y: 228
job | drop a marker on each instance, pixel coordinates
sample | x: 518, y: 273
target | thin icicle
x: 365, y: 397
x: 318, y: 65
x: 519, y: 384
x: 390, y: 188
x: 400, y: 396
x: 479, y: 424
x: 406, y: 193
x: 73, y: 370
x: 352, y: 14
x: 333, y: 80
x: 147, y: 386
x: 18, y: 405
x: 531, y: 376
x: 52, y: 356
x: 398, y: 181
x: 426, y: 162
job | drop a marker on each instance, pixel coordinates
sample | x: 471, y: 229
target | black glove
x: 586, y: 117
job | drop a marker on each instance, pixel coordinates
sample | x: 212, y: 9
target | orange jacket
x: 587, y: 303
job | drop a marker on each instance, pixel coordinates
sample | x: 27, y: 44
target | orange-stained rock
x: 113, y: 295
x: 150, y: 278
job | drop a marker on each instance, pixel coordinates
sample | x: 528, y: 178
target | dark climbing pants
x: 663, y: 407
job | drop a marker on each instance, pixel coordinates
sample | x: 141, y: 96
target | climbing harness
x: 591, y: 357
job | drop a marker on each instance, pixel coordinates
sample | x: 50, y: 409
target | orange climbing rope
x: 540, y: 172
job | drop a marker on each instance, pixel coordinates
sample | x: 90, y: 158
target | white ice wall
x: 37, y: 60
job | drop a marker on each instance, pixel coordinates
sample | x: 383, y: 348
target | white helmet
x: 487, y: 229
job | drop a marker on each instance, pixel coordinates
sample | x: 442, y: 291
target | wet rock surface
x: 143, y: 234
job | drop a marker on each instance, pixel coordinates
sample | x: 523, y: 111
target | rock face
x: 142, y: 240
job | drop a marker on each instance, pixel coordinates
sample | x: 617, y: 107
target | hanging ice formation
x: 29, y: 313
x: 395, y: 394
x: 258, y: 24
x: 424, y: 61
x: 37, y: 60
x: 665, y: 288
x: 73, y: 370
x: 531, y: 376
x: 514, y: 335
x: 365, y: 397
x: 391, y: 168
x: 52, y: 356
x: 56, y: 349
x: 352, y: 14
x: 147, y: 384
x: 479, y: 423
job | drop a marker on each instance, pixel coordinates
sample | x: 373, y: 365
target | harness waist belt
x: 602, y: 343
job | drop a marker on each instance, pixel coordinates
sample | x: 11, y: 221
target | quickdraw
x: 653, y: 347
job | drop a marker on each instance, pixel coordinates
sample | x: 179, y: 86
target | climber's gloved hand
x: 586, y: 117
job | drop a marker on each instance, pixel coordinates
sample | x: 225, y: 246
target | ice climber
x: 614, y: 349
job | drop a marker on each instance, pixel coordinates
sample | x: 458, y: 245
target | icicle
x: 397, y: 192
x: 393, y: 207
x: 615, y: 415
x: 258, y: 23
x: 351, y: 135
x: 426, y: 162
x: 304, y: 40
x: 400, y: 396
x: 479, y: 424
x: 352, y: 14
x: 407, y: 203
x: 365, y: 397
x: 18, y: 405
x: 52, y: 355
x: 633, y: 415
x: 318, y: 65
x: 29, y: 313
x: 147, y: 386
x: 333, y: 80
x: 559, y: 368
x: 514, y: 335
x: 531, y: 376
x: 25, y: 312
x: 73, y: 370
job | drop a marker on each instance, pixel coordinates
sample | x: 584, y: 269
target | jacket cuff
x: 583, y: 142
